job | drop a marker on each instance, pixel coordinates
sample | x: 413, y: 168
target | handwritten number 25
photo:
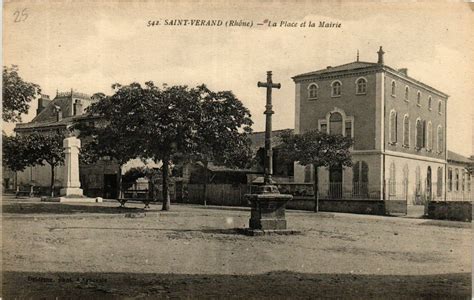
x: 20, y: 16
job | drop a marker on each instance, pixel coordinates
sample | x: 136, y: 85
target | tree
x: 222, y: 132
x: 171, y: 123
x: 17, y: 94
x: 319, y: 149
x: 34, y: 149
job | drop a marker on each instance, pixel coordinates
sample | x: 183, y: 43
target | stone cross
x: 268, y: 161
x: 71, y: 184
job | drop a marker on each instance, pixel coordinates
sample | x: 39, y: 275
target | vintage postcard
x: 220, y: 149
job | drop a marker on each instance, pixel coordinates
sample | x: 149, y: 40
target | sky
x: 88, y: 46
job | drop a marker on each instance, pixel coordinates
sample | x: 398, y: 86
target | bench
x: 27, y: 191
x: 135, y: 195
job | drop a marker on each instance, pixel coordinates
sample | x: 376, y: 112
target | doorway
x: 110, y: 186
x: 335, y: 182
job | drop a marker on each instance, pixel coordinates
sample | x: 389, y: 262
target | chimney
x: 328, y: 67
x: 380, y: 53
x: 59, y: 113
x: 78, y: 110
x: 404, y: 71
x: 43, y: 101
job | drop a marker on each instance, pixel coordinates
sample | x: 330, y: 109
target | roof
x: 361, y: 65
x: 345, y: 67
x: 456, y: 157
x: 258, y: 138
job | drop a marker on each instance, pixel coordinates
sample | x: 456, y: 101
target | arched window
x: 407, y: 92
x: 450, y: 179
x: 418, y: 98
x: 429, y: 136
x: 361, y: 84
x: 440, y: 107
x: 463, y: 180
x: 440, y: 145
x: 336, y: 89
x: 418, y: 181
x: 392, y: 180
x: 419, y: 134
x: 406, y: 131
x: 393, y: 88
x: 335, y: 123
x: 430, y: 104
x: 393, y: 127
x: 360, y: 178
x: 405, y: 181
x: 313, y: 91
x: 456, y: 180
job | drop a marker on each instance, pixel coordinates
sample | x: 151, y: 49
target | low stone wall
x: 450, y: 210
x: 370, y: 207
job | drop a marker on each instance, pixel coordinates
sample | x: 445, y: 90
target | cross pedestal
x: 267, y: 204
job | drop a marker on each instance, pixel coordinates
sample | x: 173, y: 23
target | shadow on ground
x: 269, y: 285
x: 61, y: 208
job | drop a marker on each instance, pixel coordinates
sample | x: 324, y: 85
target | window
x: 419, y: 134
x: 405, y: 181
x: 450, y: 179
x: 440, y: 145
x: 335, y: 123
x: 393, y: 88
x: 430, y: 104
x: 348, y: 129
x: 456, y: 180
x: 463, y: 180
x: 361, y: 84
x: 439, y: 184
x: 418, y: 181
x: 360, y: 179
x: 392, y: 181
x: 429, y: 136
x: 440, y: 107
x: 418, y: 99
x: 336, y: 89
x: 313, y: 91
x: 393, y: 127
x: 468, y: 182
x: 406, y: 131
x: 407, y: 91
x: 324, y: 127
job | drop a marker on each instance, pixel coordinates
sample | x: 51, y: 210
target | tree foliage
x: 170, y: 124
x: 33, y: 149
x: 17, y: 94
x: 317, y: 148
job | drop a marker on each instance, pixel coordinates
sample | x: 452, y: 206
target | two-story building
x: 397, y: 122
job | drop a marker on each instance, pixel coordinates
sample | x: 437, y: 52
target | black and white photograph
x: 216, y: 149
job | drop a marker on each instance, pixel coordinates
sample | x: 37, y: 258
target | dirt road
x: 99, y: 250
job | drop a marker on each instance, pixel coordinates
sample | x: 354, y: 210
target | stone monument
x: 268, y: 205
x: 72, y: 185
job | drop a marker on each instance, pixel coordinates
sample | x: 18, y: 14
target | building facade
x: 398, y: 125
x: 57, y: 116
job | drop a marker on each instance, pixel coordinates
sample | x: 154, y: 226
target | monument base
x: 70, y: 191
x: 268, y: 211
x: 259, y: 232
x: 72, y: 199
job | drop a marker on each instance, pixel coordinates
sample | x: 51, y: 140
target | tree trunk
x: 119, y: 182
x: 316, y: 189
x: 52, y: 180
x: 206, y: 179
x: 165, y: 175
